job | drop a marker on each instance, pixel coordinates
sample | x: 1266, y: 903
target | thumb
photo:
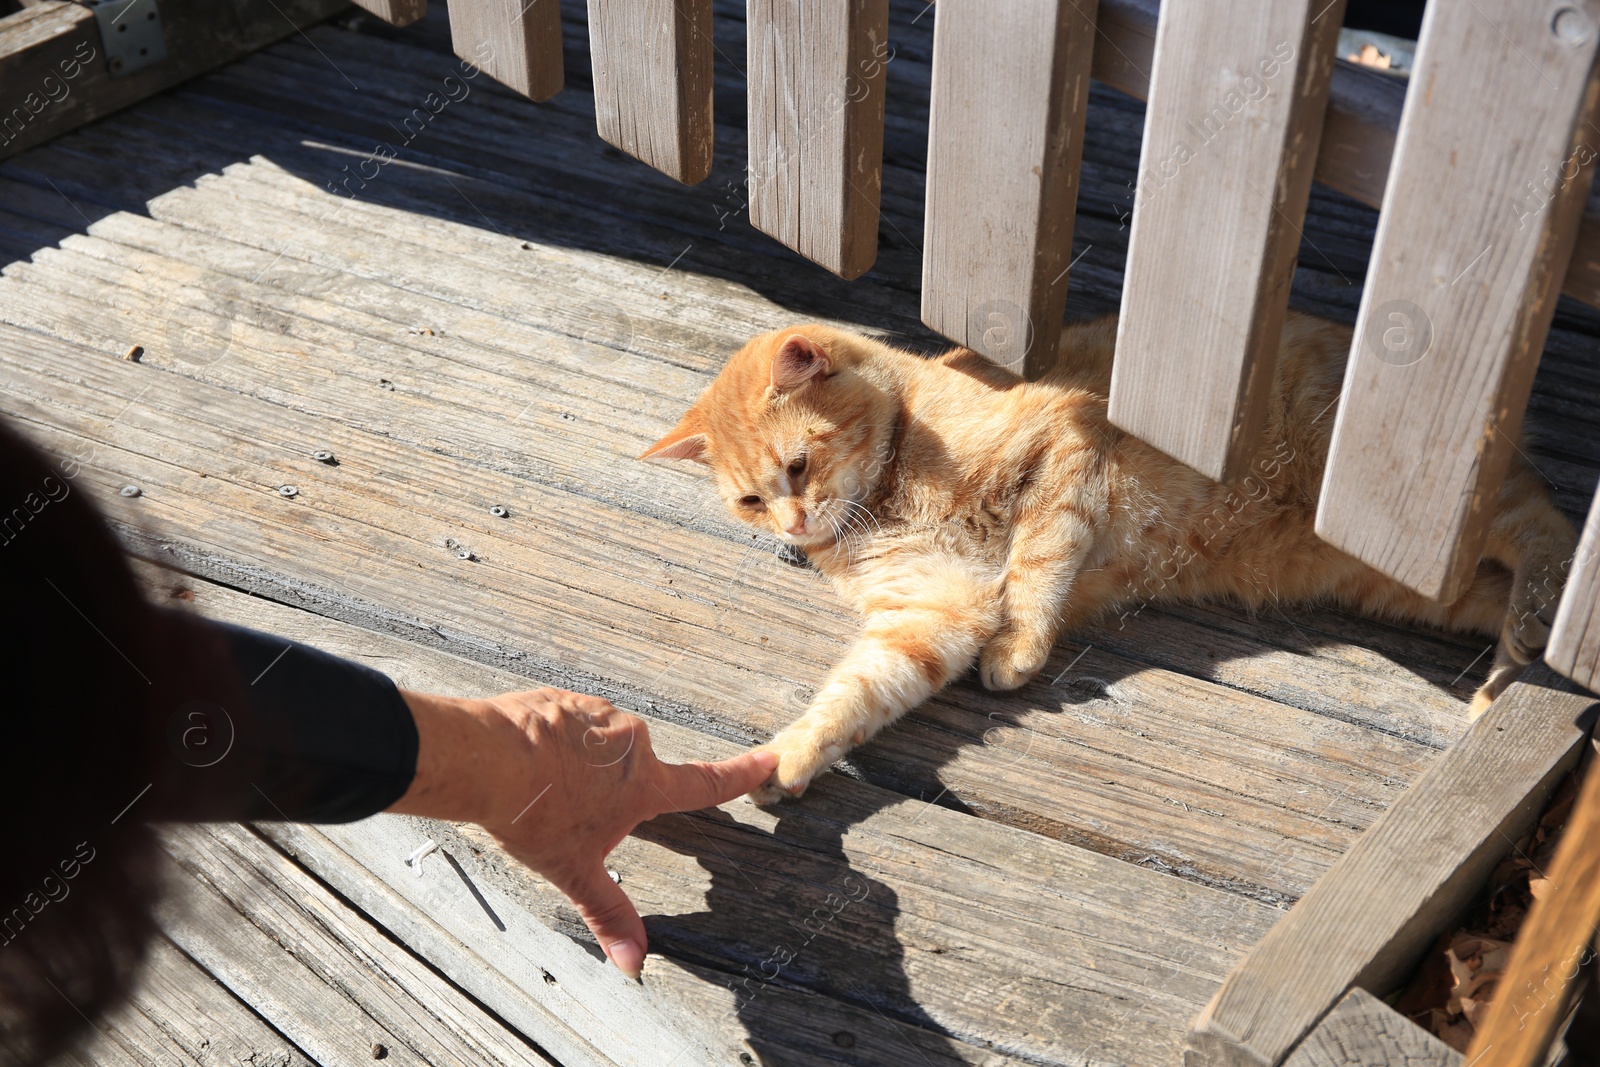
x: 610, y: 915
x: 692, y: 786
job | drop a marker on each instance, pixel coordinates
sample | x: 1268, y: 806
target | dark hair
x: 80, y: 874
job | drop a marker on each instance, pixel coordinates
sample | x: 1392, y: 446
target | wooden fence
x: 1481, y: 175
x: 1481, y: 169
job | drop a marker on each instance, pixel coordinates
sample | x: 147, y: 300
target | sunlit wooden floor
x: 503, y: 316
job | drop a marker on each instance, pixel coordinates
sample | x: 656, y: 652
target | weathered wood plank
x: 1556, y: 940
x: 1386, y: 899
x: 816, y: 75
x: 394, y: 12
x: 517, y: 42
x: 56, y: 73
x: 248, y: 887
x: 1363, y: 1031
x: 920, y: 860
x: 1237, y: 97
x: 1002, y: 191
x: 652, y: 63
x: 1574, y: 647
x: 288, y: 993
x: 1289, y: 812
x: 178, y: 1014
x: 1457, y: 302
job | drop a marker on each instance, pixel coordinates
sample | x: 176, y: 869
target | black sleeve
x: 267, y: 728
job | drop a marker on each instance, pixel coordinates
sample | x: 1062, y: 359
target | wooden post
x: 816, y: 75
x: 1363, y: 1031
x: 652, y: 64
x: 1005, y: 138
x: 1574, y: 648
x: 1531, y: 1000
x: 1237, y: 97
x: 1383, y: 903
x: 1491, y: 167
x: 516, y: 42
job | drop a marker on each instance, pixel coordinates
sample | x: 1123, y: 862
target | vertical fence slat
x: 1005, y: 138
x: 816, y: 73
x: 1492, y: 163
x: 652, y: 65
x: 1237, y: 98
x: 1574, y: 648
x: 516, y: 42
x: 394, y: 12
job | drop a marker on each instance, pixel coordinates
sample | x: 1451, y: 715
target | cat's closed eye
x: 752, y: 501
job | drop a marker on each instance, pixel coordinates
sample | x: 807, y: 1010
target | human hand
x: 559, y: 779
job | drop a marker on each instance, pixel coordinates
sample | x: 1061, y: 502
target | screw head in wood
x: 322, y: 455
x: 499, y: 512
x: 130, y: 490
x: 379, y: 1052
x: 844, y: 1039
x: 288, y: 490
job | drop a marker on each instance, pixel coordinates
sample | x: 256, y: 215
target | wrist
x: 464, y: 750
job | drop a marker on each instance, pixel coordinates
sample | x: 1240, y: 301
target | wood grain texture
x: 949, y: 924
x: 1358, y: 131
x: 1237, y: 97
x: 1005, y: 140
x: 1288, y: 813
x: 652, y: 62
x: 1556, y: 939
x: 56, y: 78
x: 516, y: 42
x: 291, y: 948
x: 1458, y: 302
x: 1363, y: 1031
x: 1366, y: 922
x: 816, y: 75
x: 179, y: 1016
x: 394, y: 12
x: 1574, y: 647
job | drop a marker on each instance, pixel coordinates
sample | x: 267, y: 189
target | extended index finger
x: 692, y: 786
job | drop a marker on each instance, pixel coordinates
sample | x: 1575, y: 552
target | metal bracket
x: 130, y: 32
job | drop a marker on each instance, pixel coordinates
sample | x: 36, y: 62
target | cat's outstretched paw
x: 1011, y: 659
x: 799, y: 761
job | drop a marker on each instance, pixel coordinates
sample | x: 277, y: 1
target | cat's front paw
x: 1011, y: 659
x: 800, y: 759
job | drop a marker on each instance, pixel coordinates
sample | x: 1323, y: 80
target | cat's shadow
x: 806, y: 928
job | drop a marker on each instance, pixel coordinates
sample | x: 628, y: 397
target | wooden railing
x: 1481, y: 173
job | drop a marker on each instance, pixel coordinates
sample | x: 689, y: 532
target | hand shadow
x: 805, y: 940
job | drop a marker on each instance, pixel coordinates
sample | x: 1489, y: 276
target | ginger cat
x: 969, y: 515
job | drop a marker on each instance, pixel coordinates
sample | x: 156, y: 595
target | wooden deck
x: 505, y: 315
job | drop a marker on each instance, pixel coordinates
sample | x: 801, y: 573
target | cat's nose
x: 797, y: 527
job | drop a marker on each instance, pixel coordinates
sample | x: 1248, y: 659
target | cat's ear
x: 684, y: 441
x: 799, y: 359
